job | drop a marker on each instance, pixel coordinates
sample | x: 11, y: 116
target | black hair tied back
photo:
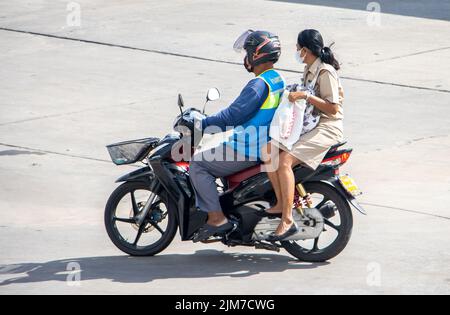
x: 327, y: 56
x: 312, y: 39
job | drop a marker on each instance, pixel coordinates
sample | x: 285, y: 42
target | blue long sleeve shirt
x: 244, y: 108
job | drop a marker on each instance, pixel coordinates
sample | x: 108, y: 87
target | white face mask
x: 299, y: 58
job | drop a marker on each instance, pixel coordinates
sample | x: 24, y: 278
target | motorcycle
x: 143, y: 214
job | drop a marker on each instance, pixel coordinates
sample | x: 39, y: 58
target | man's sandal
x: 208, y: 231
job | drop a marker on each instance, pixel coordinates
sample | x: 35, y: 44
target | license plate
x: 350, y: 185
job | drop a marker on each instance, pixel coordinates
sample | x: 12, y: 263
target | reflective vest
x: 252, y: 136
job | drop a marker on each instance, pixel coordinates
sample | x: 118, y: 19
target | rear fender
x: 336, y: 184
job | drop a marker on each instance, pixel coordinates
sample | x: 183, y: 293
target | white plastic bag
x: 287, y: 124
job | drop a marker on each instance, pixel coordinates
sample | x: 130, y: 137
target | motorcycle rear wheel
x: 344, y: 229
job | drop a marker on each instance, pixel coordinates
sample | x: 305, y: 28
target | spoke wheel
x: 123, y: 213
x: 337, y: 229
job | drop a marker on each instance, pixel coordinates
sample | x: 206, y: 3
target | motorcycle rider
x: 250, y: 115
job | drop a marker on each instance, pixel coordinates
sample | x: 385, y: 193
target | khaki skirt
x: 313, y: 146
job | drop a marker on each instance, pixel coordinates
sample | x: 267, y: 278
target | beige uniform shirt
x: 313, y: 146
x: 327, y: 87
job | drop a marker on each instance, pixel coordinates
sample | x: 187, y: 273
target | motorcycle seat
x: 237, y: 178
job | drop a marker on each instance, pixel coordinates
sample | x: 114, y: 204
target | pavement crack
x: 93, y: 109
x: 55, y: 153
x: 423, y: 88
x: 406, y: 210
x: 19, y: 152
x: 51, y: 116
x: 166, y: 53
x: 406, y: 143
x: 412, y: 54
x: 63, y: 114
x: 82, y: 157
x: 119, y: 46
x: 413, y: 141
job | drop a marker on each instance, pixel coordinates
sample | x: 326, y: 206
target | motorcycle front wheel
x: 337, y: 229
x: 122, y: 211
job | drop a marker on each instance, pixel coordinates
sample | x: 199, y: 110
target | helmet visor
x: 240, y: 42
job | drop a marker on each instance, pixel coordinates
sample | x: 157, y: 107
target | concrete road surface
x: 67, y: 89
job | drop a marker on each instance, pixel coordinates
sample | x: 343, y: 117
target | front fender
x: 144, y: 173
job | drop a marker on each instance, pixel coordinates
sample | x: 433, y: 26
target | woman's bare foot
x: 275, y: 209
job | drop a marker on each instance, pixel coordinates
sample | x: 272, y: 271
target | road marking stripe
x: 210, y: 59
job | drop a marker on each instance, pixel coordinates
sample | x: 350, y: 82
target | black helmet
x: 262, y: 47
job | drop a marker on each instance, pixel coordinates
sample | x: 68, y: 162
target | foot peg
x: 212, y: 240
x: 267, y: 246
x: 208, y: 231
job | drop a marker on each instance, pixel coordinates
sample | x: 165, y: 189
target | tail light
x: 183, y: 165
x: 337, y: 160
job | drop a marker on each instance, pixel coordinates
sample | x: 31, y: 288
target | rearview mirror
x: 213, y: 95
x: 180, y: 100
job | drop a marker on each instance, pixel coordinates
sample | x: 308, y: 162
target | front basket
x: 130, y: 152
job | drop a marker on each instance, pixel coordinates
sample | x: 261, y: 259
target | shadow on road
x: 124, y: 269
x: 432, y: 9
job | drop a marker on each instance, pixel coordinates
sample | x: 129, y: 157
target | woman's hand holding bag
x: 287, y: 124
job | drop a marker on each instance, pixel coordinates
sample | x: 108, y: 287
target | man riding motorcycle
x: 250, y: 115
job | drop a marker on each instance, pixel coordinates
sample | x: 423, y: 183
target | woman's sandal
x: 277, y: 238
